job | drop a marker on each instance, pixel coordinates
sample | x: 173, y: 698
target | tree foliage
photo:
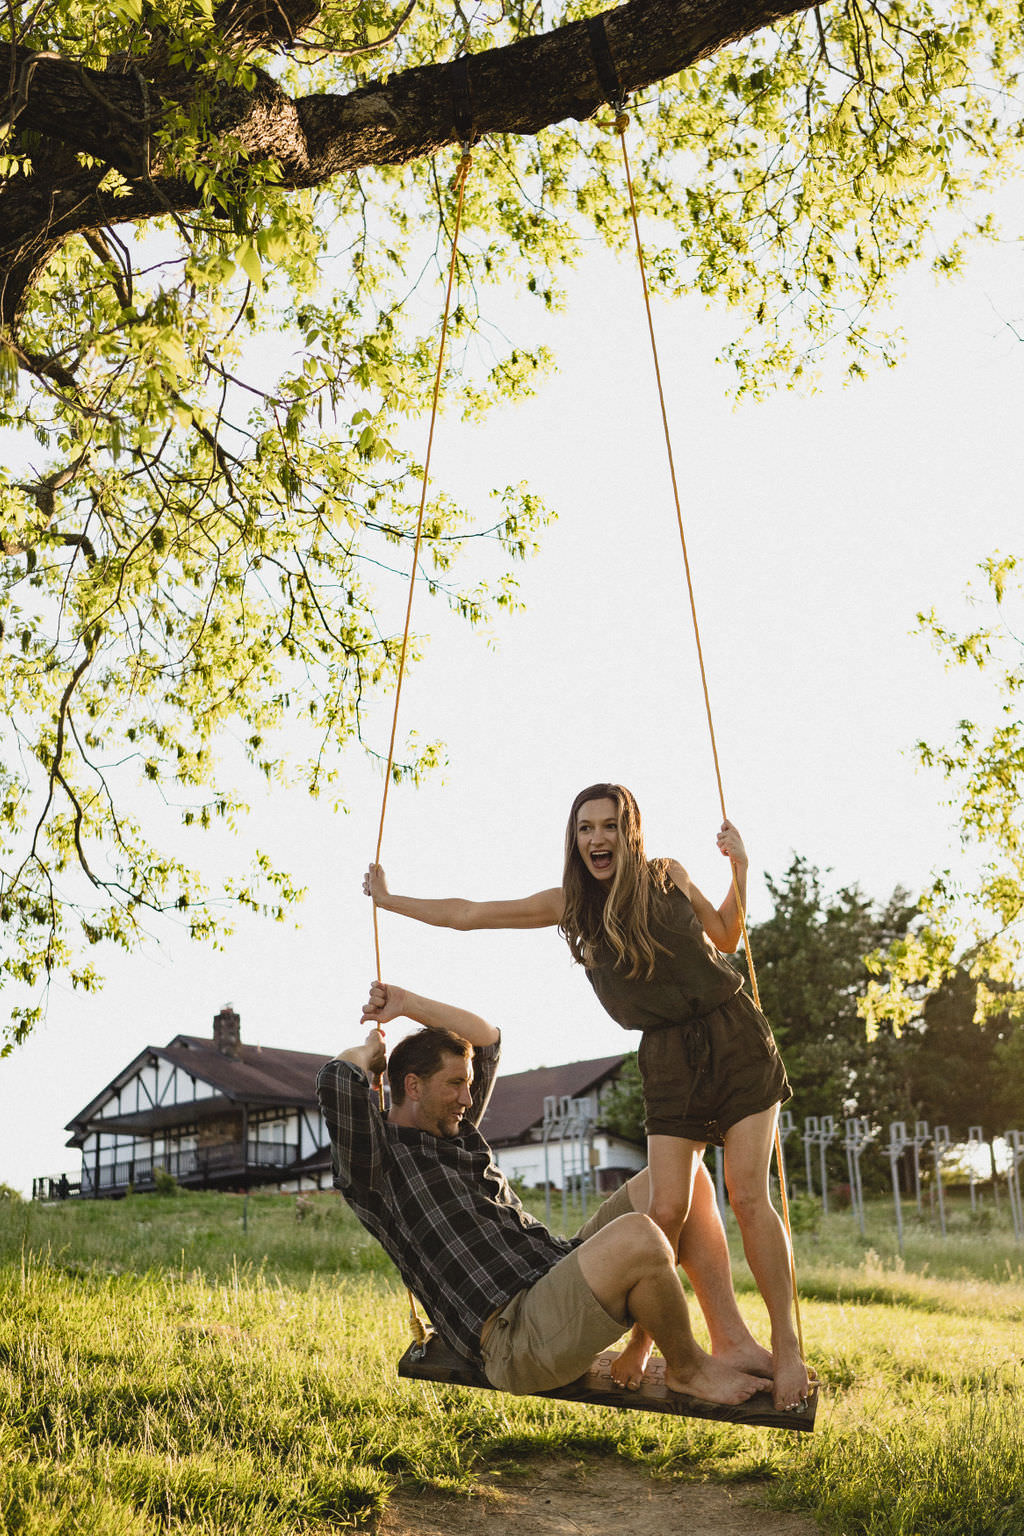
x: 972, y: 919
x: 810, y: 962
x: 622, y: 1102
x: 220, y: 225
x: 957, y: 1061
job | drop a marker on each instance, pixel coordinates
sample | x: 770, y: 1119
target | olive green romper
x: 707, y: 1056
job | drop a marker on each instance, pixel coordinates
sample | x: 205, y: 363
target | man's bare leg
x: 748, y: 1148
x: 702, y: 1251
x: 630, y: 1267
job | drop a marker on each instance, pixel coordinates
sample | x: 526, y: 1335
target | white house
x: 515, y: 1126
x: 213, y: 1113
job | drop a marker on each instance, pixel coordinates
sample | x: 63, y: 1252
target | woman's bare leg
x: 671, y: 1168
x: 748, y: 1148
x: 703, y: 1253
x: 630, y: 1268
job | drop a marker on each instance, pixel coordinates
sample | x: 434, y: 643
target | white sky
x: 818, y: 527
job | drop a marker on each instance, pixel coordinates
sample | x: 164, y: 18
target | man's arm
x: 351, y: 1114
x: 370, y: 1057
x: 387, y: 1002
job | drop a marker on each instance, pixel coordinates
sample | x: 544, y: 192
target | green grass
x: 163, y: 1369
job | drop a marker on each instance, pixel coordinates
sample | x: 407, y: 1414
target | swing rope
x: 416, y: 1323
x: 620, y: 125
x: 459, y: 186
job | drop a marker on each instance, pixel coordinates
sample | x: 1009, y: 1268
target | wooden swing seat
x: 434, y: 1361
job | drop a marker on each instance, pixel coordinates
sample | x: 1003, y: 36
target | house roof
x: 517, y: 1103
x: 258, y: 1075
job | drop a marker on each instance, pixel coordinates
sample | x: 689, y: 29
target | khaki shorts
x: 549, y: 1333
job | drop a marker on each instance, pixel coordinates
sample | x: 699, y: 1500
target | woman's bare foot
x: 628, y: 1368
x: 791, y: 1380
x: 745, y: 1355
x: 716, y: 1383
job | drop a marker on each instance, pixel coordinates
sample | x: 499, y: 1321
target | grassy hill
x: 207, y: 1364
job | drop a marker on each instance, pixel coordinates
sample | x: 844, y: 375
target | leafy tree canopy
x: 215, y: 216
x: 973, y: 919
x: 811, y: 972
x: 957, y: 1068
x: 622, y: 1102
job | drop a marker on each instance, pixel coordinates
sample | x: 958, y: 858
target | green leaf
x: 248, y: 259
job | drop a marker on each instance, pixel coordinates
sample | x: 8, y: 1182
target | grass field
x: 202, y: 1364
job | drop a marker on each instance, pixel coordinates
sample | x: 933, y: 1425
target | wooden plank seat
x: 434, y: 1361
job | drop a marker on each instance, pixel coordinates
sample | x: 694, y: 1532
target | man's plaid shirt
x: 441, y: 1208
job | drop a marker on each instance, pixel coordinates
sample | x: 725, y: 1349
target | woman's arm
x: 722, y: 924
x: 387, y: 1002
x: 541, y: 910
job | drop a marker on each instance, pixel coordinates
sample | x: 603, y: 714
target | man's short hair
x: 423, y: 1054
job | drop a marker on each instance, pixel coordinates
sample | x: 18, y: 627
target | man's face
x: 442, y: 1099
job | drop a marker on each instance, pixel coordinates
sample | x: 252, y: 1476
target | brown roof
x: 517, y: 1103
x: 258, y: 1075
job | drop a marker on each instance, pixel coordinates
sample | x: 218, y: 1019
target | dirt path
x: 600, y: 1498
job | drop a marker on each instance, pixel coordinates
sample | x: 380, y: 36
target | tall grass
x: 199, y: 1365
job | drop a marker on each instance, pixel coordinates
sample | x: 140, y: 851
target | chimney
x: 226, y: 1037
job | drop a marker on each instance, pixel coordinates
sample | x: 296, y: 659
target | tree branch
x: 521, y: 89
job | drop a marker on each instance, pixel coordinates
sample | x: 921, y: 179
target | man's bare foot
x: 791, y: 1380
x: 628, y: 1367
x: 716, y: 1383
x: 745, y: 1355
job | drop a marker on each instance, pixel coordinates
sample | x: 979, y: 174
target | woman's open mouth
x: 601, y: 861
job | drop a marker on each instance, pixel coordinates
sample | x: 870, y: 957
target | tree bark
x: 520, y: 89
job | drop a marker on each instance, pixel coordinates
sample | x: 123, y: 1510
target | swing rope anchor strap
x: 620, y: 125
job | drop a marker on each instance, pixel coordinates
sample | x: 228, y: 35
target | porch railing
x: 193, y: 1165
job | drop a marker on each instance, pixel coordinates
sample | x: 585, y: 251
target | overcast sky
x: 818, y: 527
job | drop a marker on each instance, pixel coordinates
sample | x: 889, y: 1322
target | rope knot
x: 462, y: 171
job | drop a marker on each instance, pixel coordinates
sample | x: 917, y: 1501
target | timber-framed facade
x: 211, y: 1113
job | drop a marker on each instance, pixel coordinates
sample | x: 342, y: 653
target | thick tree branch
x: 519, y: 89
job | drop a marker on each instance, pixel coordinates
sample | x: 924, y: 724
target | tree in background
x: 956, y: 1075
x: 970, y: 939
x: 811, y: 972
x: 622, y: 1102
x: 212, y: 218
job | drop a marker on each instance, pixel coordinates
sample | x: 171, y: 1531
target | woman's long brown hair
x: 617, y: 915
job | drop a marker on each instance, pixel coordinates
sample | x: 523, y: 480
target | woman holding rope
x: 650, y: 944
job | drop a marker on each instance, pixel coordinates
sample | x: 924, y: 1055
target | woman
x: 649, y: 942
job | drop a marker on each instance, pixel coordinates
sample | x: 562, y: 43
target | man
x: 533, y: 1309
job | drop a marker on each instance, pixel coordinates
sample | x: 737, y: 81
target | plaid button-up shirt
x: 439, y: 1206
